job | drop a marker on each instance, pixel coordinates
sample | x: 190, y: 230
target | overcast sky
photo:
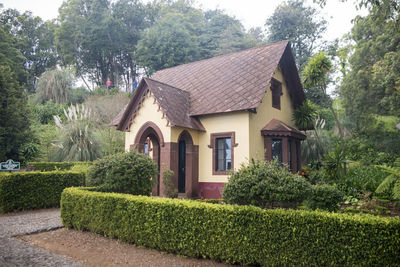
x: 251, y: 13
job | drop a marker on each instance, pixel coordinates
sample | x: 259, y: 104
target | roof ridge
x: 154, y: 80
x: 237, y: 52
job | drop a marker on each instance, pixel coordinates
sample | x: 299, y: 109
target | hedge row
x: 235, y: 234
x: 52, y: 166
x: 31, y: 190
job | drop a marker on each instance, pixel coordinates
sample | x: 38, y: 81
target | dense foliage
x: 33, y: 190
x: 235, y: 234
x: 265, y: 184
x: 14, y: 122
x: 130, y: 173
x: 391, y: 183
x: 324, y: 196
x: 300, y: 24
x: 52, y: 166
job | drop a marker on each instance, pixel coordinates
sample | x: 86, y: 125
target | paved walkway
x: 15, y: 252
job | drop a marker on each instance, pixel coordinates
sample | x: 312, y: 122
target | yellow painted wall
x: 237, y: 122
x: 247, y: 127
x: 147, y: 112
x: 265, y: 113
x: 176, y: 132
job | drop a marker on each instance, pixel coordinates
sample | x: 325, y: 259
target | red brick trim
x: 211, y: 190
x: 213, y: 137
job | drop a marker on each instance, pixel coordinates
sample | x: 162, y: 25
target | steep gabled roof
x: 173, y: 103
x: 236, y: 81
x: 232, y: 82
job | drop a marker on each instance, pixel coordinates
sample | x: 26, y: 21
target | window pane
x: 277, y: 149
x: 146, y: 148
x: 223, y: 161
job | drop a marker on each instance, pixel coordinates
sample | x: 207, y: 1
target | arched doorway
x: 149, y: 140
x: 187, y: 165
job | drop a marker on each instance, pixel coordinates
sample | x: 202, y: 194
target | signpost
x: 10, y: 165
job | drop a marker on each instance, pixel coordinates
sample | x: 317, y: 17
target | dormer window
x: 276, y: 89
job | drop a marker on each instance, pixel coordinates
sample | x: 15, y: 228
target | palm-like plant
x: 392, y: 181
x: 305, y: 115
x: 55, y: 85
x: 77, y: 141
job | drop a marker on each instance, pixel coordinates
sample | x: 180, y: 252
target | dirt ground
x: 94, y: 250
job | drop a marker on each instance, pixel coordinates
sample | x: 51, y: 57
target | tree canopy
x: 299, y: 24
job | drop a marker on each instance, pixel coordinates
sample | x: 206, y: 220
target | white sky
x: 251, y: 13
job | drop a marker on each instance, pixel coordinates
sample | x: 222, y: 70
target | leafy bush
x: 334, y: 163
x: 32, y: 190
x: 392, y: 181
x: 44, y: 113
x: 169, y: 187
x: 236, y: 234
x: 367, y: 153
x: 315, y: 176
x: 131, y: 173
x: 265, y: 185
x: 359, y: 179
x: 78, y: 95
x: 324, y: 196
x: 99, y: 91
x: 52, y: 166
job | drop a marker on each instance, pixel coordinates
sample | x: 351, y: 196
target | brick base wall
x: 211, y: 190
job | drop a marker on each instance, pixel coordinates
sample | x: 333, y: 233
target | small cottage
x: 205, y: 118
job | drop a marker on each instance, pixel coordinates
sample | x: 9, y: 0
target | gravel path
x: 14, y: 252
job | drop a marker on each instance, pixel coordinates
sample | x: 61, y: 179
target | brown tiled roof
x: 231, y: 82
x: 173, y: 103
x: 278, y: 128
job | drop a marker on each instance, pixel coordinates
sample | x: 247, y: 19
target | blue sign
x: 9, y: 165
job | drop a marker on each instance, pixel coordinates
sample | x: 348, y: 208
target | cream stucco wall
x: 247, y: 127
x: 265, y: 113
x: 176, y: 132
x: 147, y: 112
x: 237, y: 122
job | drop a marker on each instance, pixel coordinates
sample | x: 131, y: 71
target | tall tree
x: 14, y: 125
x: 35, y: 40
x: 99, y: 38
x: 300, y: 25
x: 168, y: 43
x: 224, y: 34
x: 316, y: 75
x: 372, y: 86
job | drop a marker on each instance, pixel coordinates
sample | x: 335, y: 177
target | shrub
x: 45, y: 112
x: 359, y: 179
x: 265, y: 185
x: 131, y: 173
x: 52, y: 166
x: 169, y: 187
x: 77, y: 141
x: 324, y: 196
x: 236, y: 234
x: 32, y: 190
x: 392, y: 181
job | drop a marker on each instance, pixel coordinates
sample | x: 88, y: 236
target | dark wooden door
x: 182, y: 167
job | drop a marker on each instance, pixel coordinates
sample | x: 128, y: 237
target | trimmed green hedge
x: 32, y: 190
x: 52, y: 166
x: 235, y: 234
